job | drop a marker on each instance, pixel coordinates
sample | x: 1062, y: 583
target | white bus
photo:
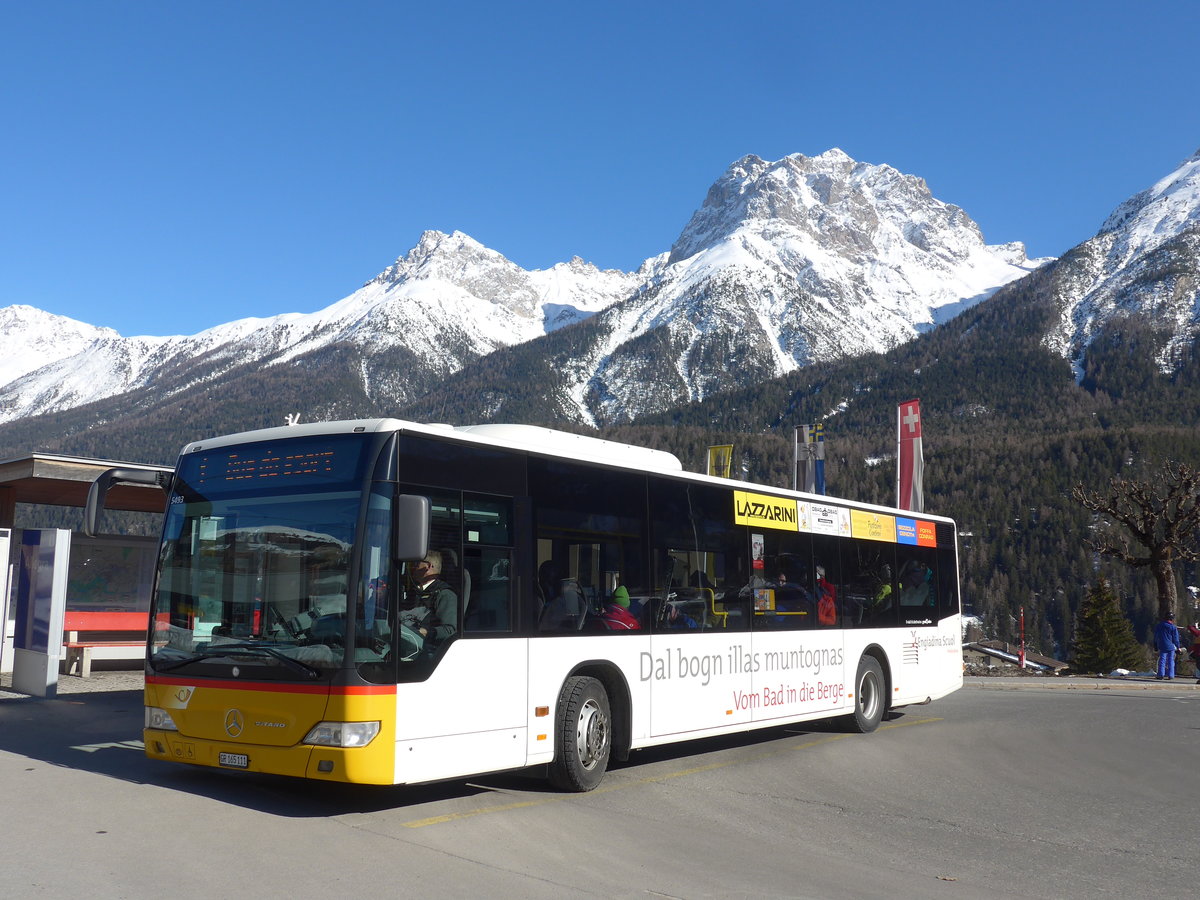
x: 387, y: 602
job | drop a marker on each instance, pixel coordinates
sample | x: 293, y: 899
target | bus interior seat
x: 459, y: 572
x: 720, y: 616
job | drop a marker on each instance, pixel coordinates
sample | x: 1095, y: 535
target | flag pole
x: 899, y: 413
x: 819, y: 461
x: 796, y: 458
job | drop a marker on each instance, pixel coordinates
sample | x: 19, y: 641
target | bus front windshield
x: 254, y: 572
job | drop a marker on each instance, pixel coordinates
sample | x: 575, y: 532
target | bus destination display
x: 287, y: 464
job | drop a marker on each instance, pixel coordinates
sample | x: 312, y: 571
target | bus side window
x: 488, y: 607
x: 445, y: 543
x: 785, y: 599
x: 917, y: 595
x: 588, y: 532
x: 698, y: 555
x: 487, y: 563
x: 948, y: 579
x: 869, y: 569
x: 827, y: 579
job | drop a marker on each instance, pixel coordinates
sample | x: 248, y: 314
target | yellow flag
x: 720, y: 457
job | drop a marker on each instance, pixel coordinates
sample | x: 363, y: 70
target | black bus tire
x: 869, y: 698
x: 583, y: 739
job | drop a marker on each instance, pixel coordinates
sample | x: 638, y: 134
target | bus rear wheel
x: 584, y: 738
x: 869, y: 699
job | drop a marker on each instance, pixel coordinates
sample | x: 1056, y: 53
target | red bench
x: 85, y: 631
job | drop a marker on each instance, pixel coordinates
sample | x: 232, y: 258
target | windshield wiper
x: 243, y: 650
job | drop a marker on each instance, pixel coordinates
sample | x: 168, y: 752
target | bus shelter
x: 94, y: 579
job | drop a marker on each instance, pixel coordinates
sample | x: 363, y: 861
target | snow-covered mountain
x: 1143, y: 264
x: 44, y: 338
x: 786, y: 263
x: 867, y: 235
x: 449, y: 300
x: 789, y: 263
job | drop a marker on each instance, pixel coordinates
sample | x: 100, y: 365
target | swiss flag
x: 910, y: 488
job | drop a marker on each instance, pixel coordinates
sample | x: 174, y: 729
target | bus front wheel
x: 869, y: 699
x: 584, y: 738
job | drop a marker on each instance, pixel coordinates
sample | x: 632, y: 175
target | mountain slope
x: 448, y: 301
x: 1144, y: 264
x: 786, y: 264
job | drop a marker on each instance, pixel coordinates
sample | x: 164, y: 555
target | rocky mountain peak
x: 435, y: 255
x: 829, y: 198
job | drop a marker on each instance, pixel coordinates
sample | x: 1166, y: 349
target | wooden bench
x: 85, y: 631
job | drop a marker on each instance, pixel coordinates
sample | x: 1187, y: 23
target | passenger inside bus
x: 794, y: 605
x: 881, y: 597
x: 618, y: 614
x: 914, y: 584
x: 826, y: 599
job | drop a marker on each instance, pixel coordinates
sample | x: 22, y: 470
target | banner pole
x: 899, y: 412
x: 796, y: 458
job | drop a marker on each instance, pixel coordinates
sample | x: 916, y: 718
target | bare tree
x: 1161, y: 514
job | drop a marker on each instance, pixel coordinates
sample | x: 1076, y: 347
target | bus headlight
x: 160, y: 719
x: 342, y: 734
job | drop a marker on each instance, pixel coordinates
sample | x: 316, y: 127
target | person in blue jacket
x: 1167, y: 641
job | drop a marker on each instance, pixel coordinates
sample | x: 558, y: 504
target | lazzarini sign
x: 785, y: 514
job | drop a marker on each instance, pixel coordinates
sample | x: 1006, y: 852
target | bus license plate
x: 234, y: 760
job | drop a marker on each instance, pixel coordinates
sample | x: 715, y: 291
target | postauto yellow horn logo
x: 765, y: 511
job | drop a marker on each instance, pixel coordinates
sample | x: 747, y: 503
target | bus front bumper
x: 373, y: 764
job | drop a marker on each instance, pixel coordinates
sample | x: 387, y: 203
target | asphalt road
x: 1003, y: 790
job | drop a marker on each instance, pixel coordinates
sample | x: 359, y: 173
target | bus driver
x: 432, y: 609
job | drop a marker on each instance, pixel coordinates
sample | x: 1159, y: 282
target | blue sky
x: 166, y: 167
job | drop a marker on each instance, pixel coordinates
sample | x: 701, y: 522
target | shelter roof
x: 43, y: 478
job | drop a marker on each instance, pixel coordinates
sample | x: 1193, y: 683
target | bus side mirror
x: 98, y: 490
x: 413, y: 514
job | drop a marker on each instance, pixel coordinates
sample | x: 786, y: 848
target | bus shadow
x: 691, y: 751
x: 101, y: 733
x: 97, y: 732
